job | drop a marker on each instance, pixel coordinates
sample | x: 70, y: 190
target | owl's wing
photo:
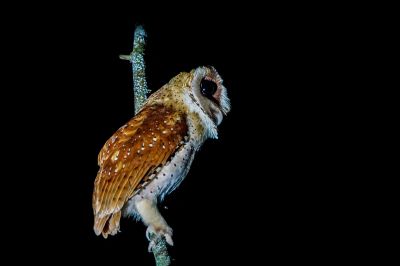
x: 130, y: 157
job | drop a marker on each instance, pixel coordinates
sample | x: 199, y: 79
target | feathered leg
x: 156, y: 224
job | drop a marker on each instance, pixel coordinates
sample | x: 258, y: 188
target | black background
x: 265, y: 190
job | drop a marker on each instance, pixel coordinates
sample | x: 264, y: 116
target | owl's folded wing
x: 130, y: 157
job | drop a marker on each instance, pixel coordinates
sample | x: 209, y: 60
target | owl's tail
x: 107, y: 225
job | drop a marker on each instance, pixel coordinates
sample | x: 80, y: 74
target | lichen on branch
x: 136, y: 57
x: 140, y: 92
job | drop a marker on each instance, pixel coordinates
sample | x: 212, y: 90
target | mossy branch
x: 160, y: 250
x: 140, y: 91
x: 136, y: 57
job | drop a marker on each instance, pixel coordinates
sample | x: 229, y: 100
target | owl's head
x: 208, y: 93
x: 199, y: 92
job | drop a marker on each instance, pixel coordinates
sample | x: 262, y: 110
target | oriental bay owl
x: 148, y: 157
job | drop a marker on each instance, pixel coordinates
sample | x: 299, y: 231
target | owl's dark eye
x: 208, y: 88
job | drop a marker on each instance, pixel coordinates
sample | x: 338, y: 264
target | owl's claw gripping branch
x: 156, y: 224
x: 153, y: 236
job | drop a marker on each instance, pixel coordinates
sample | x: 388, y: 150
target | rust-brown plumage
x: 130, y: 158
x: 149, y: 157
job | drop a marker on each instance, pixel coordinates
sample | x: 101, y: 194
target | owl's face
x: 199, y: 92
x: 209, y: 93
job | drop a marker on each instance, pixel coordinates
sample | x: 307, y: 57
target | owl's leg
x: 156, y: 224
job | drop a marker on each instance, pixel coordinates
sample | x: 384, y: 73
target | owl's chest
x: 171, y: 174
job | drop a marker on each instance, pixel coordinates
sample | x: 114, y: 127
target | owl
x: 148, y: 157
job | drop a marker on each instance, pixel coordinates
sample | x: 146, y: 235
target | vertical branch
x: 160, y: 250
x: 138, y: 67
x: 140, y: 92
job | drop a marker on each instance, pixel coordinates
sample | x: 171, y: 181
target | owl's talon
x: 151, y: 246
x: 153, y: 234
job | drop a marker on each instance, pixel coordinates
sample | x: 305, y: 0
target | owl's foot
x: 153, y: 234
